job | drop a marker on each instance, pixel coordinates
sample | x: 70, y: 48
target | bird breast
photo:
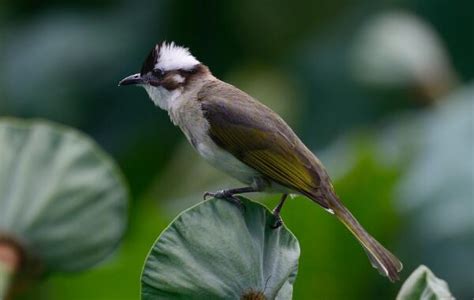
x: 186, y: 113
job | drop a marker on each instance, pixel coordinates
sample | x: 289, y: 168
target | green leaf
x: 215, y: 251
x: 61, y: 197
x: 424, y: 285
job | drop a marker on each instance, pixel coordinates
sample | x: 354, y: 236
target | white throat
x: 161, y: 96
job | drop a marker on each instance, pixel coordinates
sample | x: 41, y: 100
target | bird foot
x: 277, y: 222
x: 225, y: 195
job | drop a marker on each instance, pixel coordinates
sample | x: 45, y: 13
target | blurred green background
x: 382, y: 91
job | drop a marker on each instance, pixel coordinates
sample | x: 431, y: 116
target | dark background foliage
x: 62, y: 60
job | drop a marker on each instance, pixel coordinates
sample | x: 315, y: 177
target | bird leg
x: 229, y: 195
x: 276, y: 212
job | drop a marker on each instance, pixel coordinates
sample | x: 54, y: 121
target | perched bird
x: 245, y: 139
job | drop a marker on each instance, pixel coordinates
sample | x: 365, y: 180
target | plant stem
x: 5, y: 279
x: 9, y: 263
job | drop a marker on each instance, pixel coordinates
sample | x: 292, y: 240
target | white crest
x: 174, y: 57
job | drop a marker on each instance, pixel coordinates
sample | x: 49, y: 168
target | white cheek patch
x: 178, y: 78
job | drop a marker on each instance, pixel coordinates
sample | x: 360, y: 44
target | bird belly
x: 226, y: 162
x: 189, y: 117
x: 229, y: 164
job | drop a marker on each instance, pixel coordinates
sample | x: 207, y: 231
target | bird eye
x: 159, y: 73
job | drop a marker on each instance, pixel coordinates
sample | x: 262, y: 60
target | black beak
x: 132, y: 79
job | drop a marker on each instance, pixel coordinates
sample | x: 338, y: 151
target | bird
x: 245, y: 139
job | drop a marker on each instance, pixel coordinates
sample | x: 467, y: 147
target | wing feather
x: 258, y: 137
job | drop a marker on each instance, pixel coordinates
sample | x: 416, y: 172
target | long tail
x: 383, y: 260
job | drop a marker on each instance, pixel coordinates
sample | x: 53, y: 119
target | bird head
x: 166, y: 72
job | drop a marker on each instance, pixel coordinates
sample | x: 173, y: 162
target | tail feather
x: 383, y: 260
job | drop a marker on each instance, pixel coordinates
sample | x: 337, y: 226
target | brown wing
x: 258, y: 137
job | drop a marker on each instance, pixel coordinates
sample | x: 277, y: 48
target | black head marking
x: 151, y: 60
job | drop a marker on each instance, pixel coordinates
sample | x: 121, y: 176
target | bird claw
x: 219, y: 195
x: 277, y: 222
x: 236, y: 201
x: 226, y: 196
x: 207, y: 194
